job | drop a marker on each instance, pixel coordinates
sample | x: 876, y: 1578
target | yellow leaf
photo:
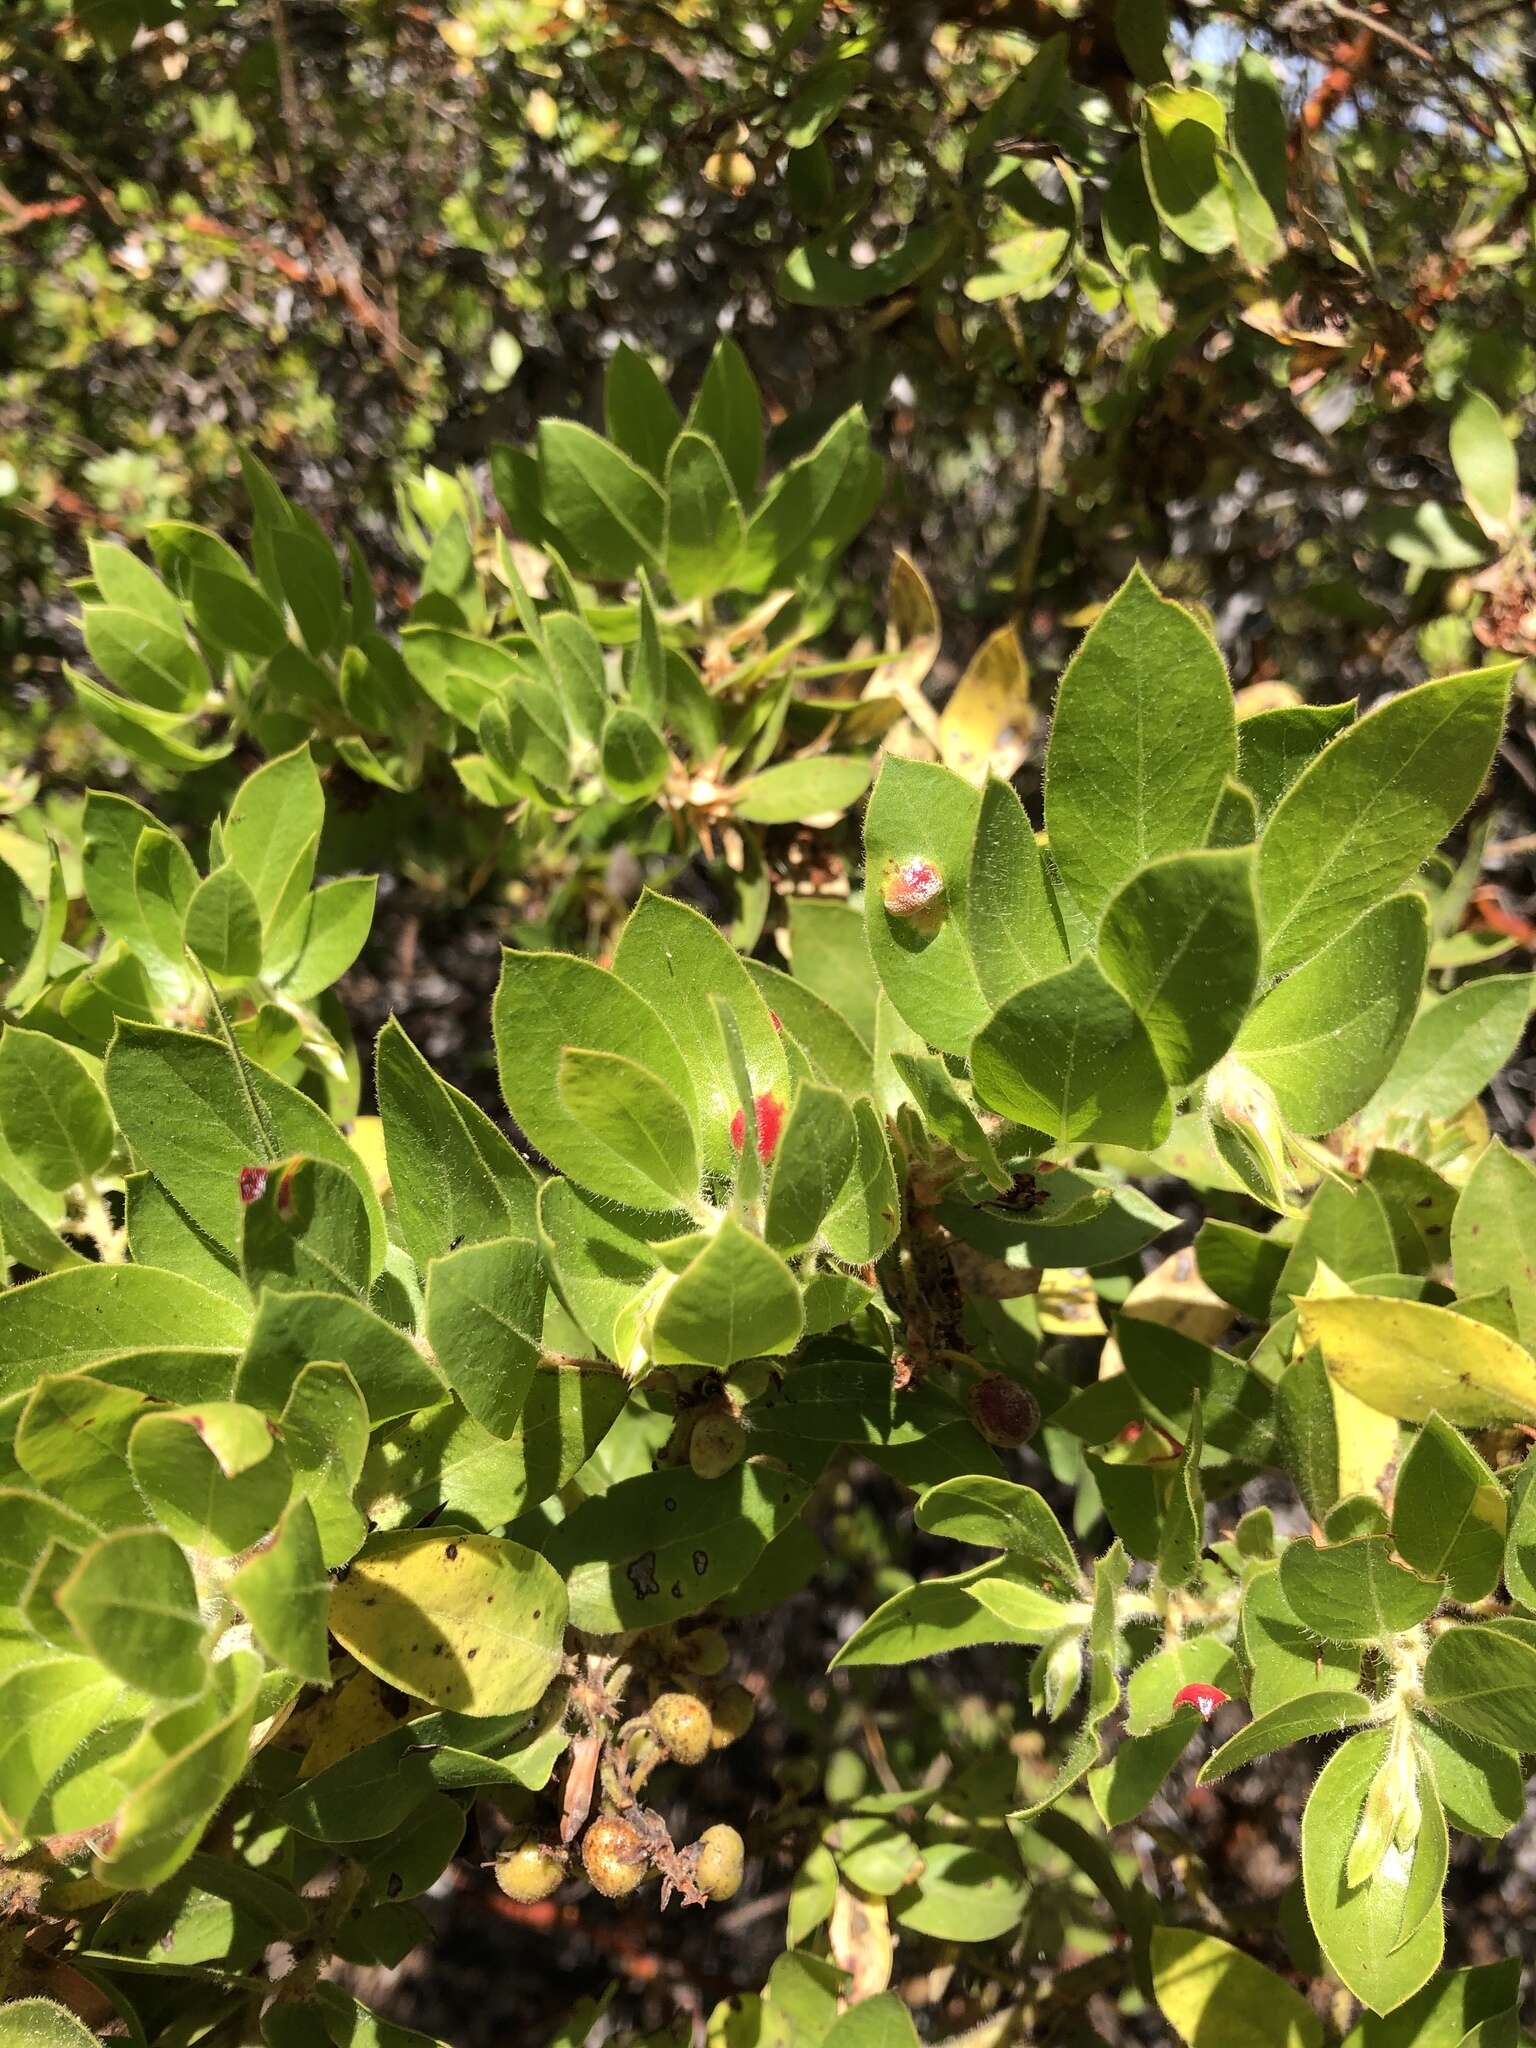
x: 1068, y: 1305
x: 987, y: 722
x: 911, y: 645
x: 472, y: 1623
x: 1411, y: 1360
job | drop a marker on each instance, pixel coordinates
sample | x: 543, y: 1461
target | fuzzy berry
x: 770, y: 1123
x: 911, y: 885
x: 531, y: 1872
x: 719, y: 1855
x: 1003, y: 1412
x: 684, y: 1726
x: 614, y: 1856
x: 1206, y: 1697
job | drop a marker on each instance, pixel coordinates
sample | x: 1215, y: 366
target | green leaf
x: 195, y: 1116
x: 213, y: 1474
x: 621, y: 1105
x: 1482, y: 1680
x: 1441, y: 2015
x: 1347, y: 1229
x: 1326, y: 1035
x: 40, y: 2023
x: 880, y: 2022
x: 1449, y: 1513
x: 181, y: 1768
x: 609, y: 514
x: 223, y: 926
x: 1361, y: 1928
x: 1142, y: 743
x: 1070, y: 1057
x: 834, y: 1051
x: 665, y: 1544
x: 1410, y: 1359
x: 273, y: 829
x: 1182, y: 129
x: 1261, y: 129
x: 485, y: 1309
x: 138, y: 638
x: 866, y: 1218
x: 634, y: 754
x: 1214, y: 1996
x: 641, y: 419
x: 816, y: 1153
x: 471, y: 1623
x: 52, y: 1110
x: 815, y: 275
x: 676, y: 961
x: 1455, y: 1046
x: 820, y: 786
x: 1180, y: 940
x: 443, y: 1458
x: 1014, y: 933
x: 963, y: 1894
x: 920, y: 812
x: 704, y: 524
x: 1372, y: 806
x: 454, y: 1178
x: 735, y: 1299
x: 291, y: 1330
x: 1353, y: 1592
x: 464, y: 676
x: 132, y: 1601
x: 1000, y: 1515
x: 77, y: 1317
x: 546, y: 1002
x: 307, y: 1229
x: 1287, y: 1662
x: 1274, y: 746
x: 310, y: 574
x: 1294, y: 1720
x: 1483, y: 456
x: 324, y: 1428
x: 1427, y: 535
x: 329, y: 934
x: 729, y: 413
x: 937, y: 1616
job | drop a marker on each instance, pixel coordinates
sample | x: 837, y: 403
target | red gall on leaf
x: 770, y: 1123
x: 1206, y: 1697
x: 911, y: 886
x: 777, y: 1025
x: 253, y: 1183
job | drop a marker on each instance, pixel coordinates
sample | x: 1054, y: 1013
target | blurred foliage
x: 1084, y: 324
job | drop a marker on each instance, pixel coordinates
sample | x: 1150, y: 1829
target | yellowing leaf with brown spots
x: 471, y: 1623
x: 985, y: 726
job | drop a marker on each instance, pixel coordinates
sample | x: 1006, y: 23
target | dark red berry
x: 1005, y: 1413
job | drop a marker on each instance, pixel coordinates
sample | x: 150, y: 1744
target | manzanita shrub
x: 661, y: 542
x: 376, y: 1489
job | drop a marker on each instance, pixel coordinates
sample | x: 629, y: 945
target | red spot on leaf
x: 912, y: 885
x: 1206, y: 1697
x: 253, y: 1183
x: 770, y: 1123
